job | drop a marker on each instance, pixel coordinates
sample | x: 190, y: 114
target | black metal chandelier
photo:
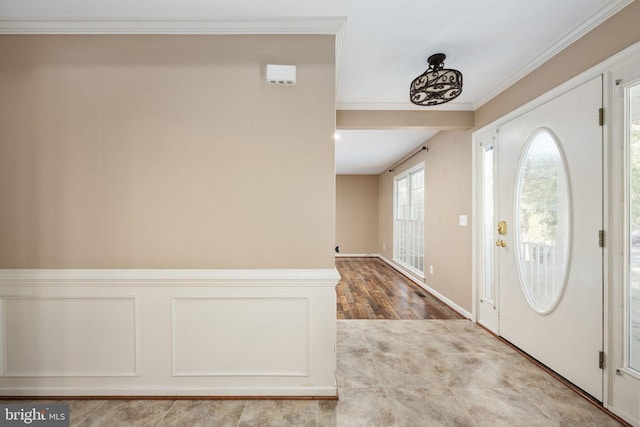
x: 437, y: 85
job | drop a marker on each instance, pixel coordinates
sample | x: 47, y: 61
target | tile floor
x: 389, y: 373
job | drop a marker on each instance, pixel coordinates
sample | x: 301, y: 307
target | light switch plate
x: 463, y: 220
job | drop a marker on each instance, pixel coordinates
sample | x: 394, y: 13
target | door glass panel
x: 542, y: 227
x: 489, y: 221
x: 634, y: 250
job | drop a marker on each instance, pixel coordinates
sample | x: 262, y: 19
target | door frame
x: 624, y: 381
x: 613, y: 260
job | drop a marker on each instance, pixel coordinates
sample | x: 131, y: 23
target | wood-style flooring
x: 371, y: 289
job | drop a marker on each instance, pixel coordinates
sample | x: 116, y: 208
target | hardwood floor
x: 370, y: 289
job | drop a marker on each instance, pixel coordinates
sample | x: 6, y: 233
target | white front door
x: 550, y: 263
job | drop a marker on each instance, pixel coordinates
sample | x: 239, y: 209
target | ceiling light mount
x: 437, y: 85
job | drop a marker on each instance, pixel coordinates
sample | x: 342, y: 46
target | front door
x: 550, y: 208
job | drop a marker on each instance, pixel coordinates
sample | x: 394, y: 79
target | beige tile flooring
x: 389, y: 373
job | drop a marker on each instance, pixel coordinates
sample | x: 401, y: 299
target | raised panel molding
x: 168, y: 332
x: 69, y: 337
x: 208, y: 336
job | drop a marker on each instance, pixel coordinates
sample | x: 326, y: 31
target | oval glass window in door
x: 543, y: 228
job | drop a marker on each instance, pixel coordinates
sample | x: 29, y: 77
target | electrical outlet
x: 384, y: 247
x: 431, y: 269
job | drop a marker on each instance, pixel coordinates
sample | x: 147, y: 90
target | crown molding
x: 451, y: 106
x: 604, y: 13
x: 80, y: 25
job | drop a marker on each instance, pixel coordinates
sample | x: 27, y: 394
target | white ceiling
x: 383, y: 45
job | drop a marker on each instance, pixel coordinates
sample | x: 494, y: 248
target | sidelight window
x: 633, y: 286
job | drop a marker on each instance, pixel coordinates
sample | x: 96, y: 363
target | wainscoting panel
x: 168, y: 332
x: 209, y: 336
x: 67, y: 337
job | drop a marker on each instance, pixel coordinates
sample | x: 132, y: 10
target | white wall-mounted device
x: 281, y: 74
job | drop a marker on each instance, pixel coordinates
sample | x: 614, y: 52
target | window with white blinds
x: 408, y: 219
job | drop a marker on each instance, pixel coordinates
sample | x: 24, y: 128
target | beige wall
x: 165, y: 152
x: 385, y: 211
x: 357, y: 214
x: 447, y: 196
x: 402, y: 119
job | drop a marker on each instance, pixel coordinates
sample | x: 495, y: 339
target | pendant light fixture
x: 437, y: 85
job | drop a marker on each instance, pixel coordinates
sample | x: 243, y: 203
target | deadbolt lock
x: 502, y: 228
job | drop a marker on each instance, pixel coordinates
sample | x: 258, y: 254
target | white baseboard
x: 426, y: 287
x: 168, y: 332
x: 294, y: 392
x: 356, y: 255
